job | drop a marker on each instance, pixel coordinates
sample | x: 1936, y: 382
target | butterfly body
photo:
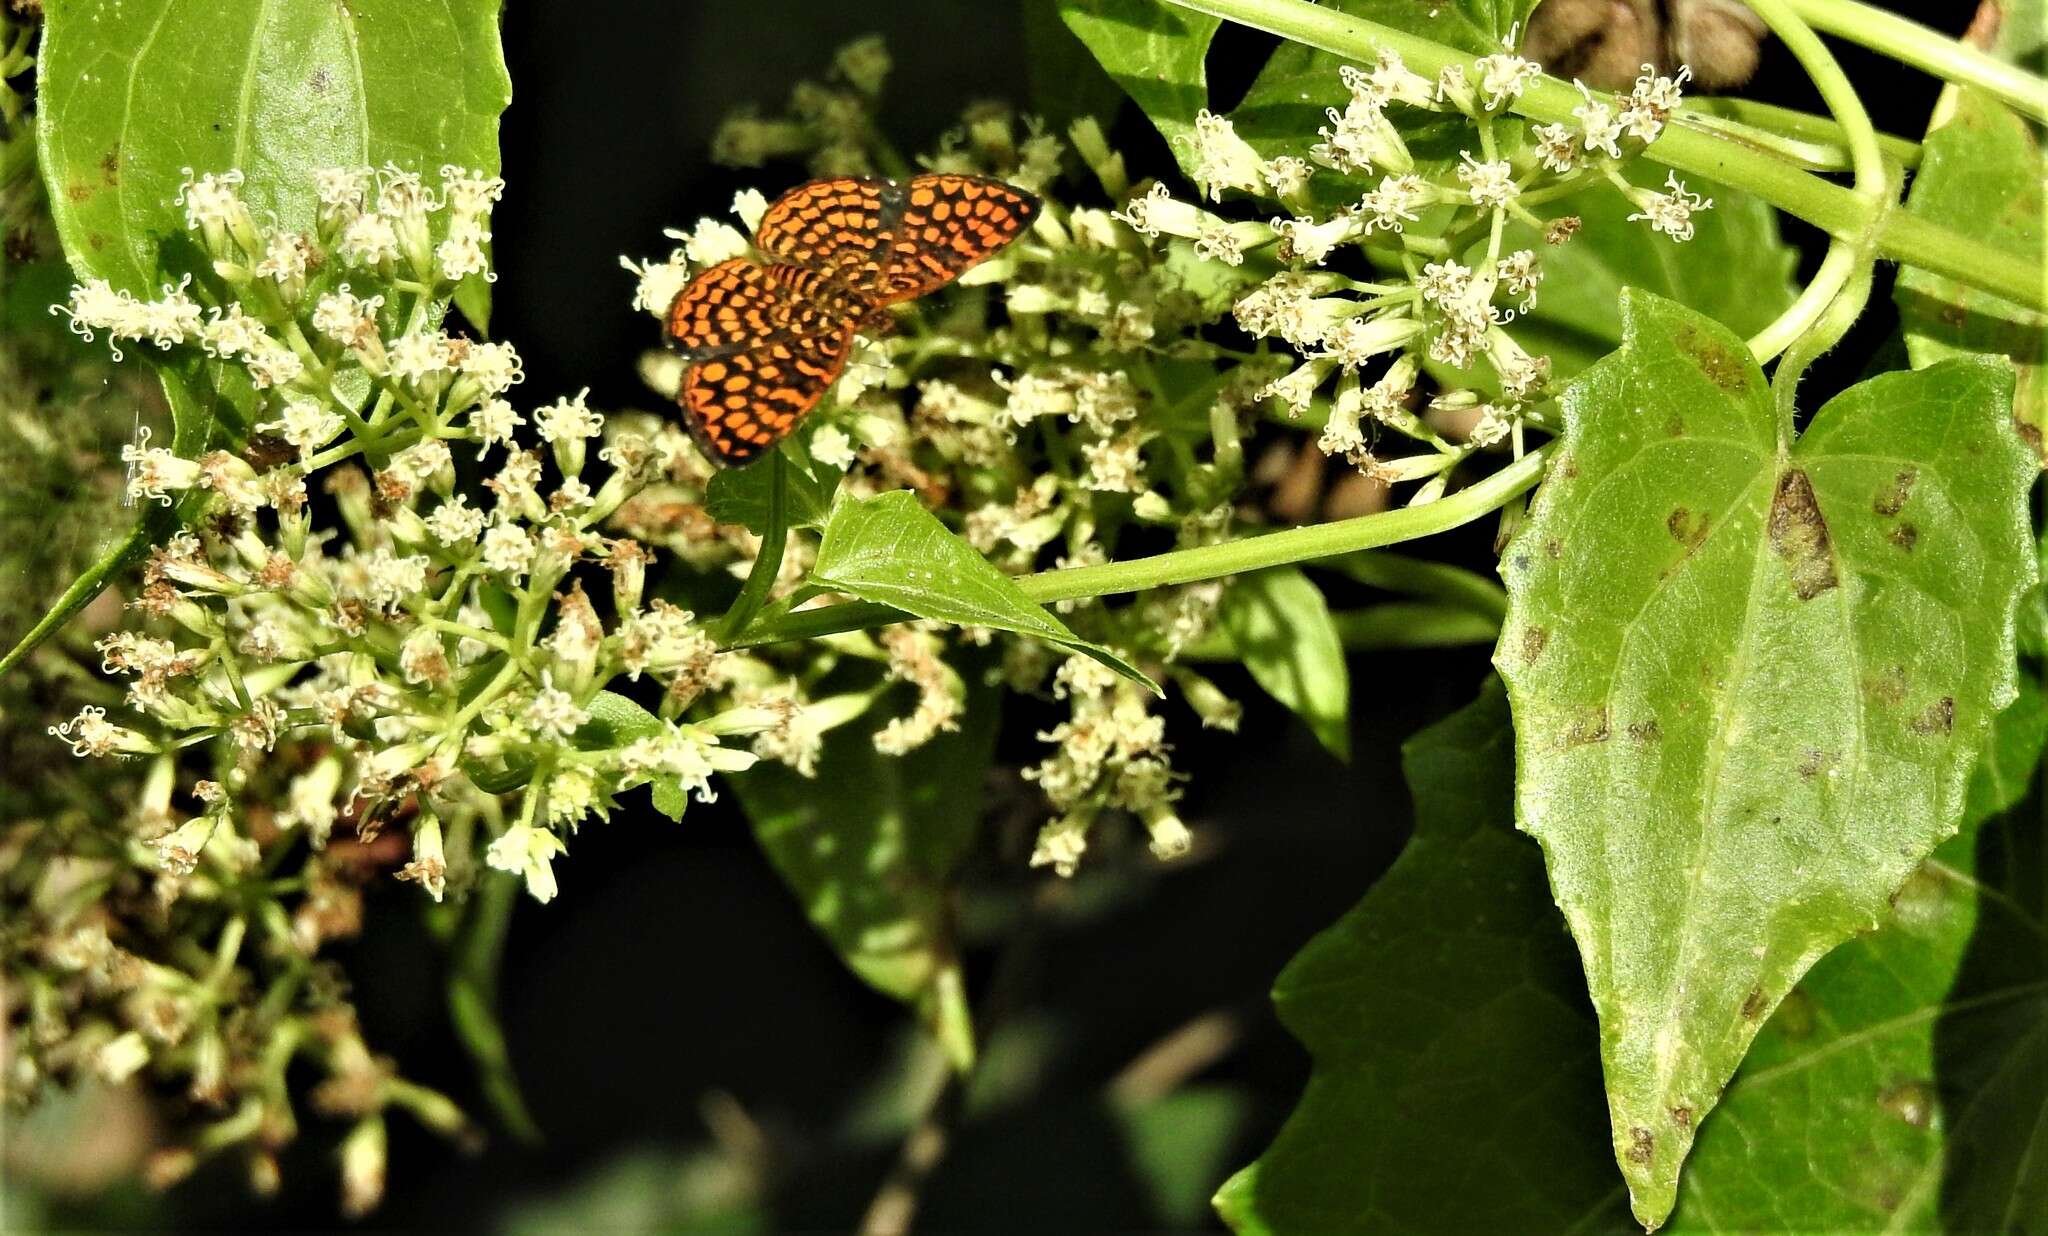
x: 766, y: 339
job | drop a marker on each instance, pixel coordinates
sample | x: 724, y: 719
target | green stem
x: 1930, y: 51
x: 1820, y: 303
x: 768, y: 562
x: 1838, y: 211
x: 1865, y: 158
x: 1183, y: 566
x: 473, y: 999
x: 1820, y: 140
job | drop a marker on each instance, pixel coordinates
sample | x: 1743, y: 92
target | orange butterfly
x: 765, y: 341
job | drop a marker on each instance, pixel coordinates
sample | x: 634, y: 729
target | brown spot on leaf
x: 1890, y: 686
x: 1754, y: 1004
x: 1591, y: 727
x: 1568, y: 467
x: 1716, y: 359
x: 78, y: 192
x: 1938, y: 718
x: 110, y: 167
x: 1675, y: 427
x: 1911, y: 1101
x: 1534, y: 640
x: 1643, y: 733
x: 1795, y: 1015
x: 1800, y: 536
x: 1554, y: 548
x: 1905, y: 536
x: 1641, y: 1144
x: 1892, y: 498
x: 1814, y: 763
x: 1687, y: 527
x: 1682, y: 1116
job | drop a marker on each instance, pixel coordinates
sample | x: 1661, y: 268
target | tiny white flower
x: 368, y: 240
x: 749, y: 205
x: 508, y: 549
x: 284, y: 257
x: 1670, y: 213
x: 307, y: 426
x: 419, y: 355
x: 1492, y: 184
x: 1222, y: 159
x: 1394, y: 202
x: 527, y: 851
x: 494, y: 366
x: 1287, y: 175
x: 553, y: 712
x: 830, y: 446
x: 154, y: 471
x: 455, y: 523
x: 1596, y: 120
x: 493, y: 422
x: 712, y: 242
x: 211, y: 199
x: 568, y: 418
x: 346, y: 318
x: 657, y: 284
x: 1556, y: 146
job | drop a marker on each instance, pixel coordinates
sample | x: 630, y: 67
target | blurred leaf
x: 276, y: 91
x: 703, y: 1192
x: 1981, y: 172
x: 1066, y: 82
x: 740, y: 495
x: 1281, y: 628
x: 1456, y: 1082
x: 1901, y: 1083
x: 1750, y: 679
x: 890, y: 550
x: 1736, y: 270
x: 1156, y: 53
x: 1180, y: 1144
x: 869, y: 845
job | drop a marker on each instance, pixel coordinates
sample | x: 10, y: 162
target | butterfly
x: 765, y: 339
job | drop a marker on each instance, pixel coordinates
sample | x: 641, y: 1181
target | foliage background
x: 674, y: 982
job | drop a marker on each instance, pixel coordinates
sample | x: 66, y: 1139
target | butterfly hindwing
x: 739, y: 405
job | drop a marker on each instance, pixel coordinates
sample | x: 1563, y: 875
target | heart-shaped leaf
x: 1750, y: 678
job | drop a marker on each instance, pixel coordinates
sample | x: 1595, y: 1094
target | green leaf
x: 136, y: 92
x: 1749, y: 681
x: 869, y: 846
x: 1900, y: 1085
x: 1981, y: 171
x: 740, y: 495
x: 1065, y: 81
x: 1736, y: 270
x: 1282, y: 630
x: 1156, y: 53
x: 1456, y: 1083
x: 890, y: 550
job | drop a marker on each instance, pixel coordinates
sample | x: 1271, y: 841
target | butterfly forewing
x: 838, y: 226
x: 945, y: 224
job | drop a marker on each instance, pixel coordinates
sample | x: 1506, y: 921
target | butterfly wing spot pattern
x: 765, y: 342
